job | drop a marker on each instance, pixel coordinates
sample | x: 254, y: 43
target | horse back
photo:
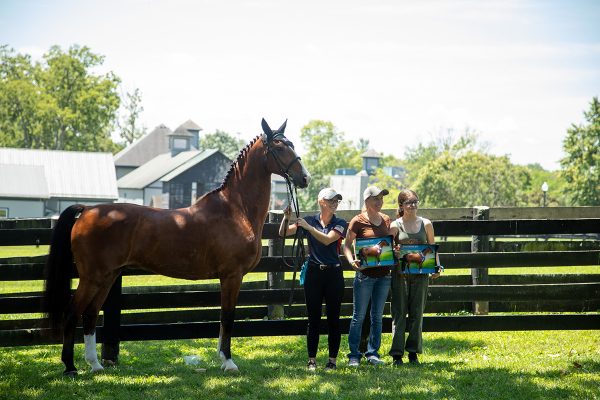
x: 190, y: 243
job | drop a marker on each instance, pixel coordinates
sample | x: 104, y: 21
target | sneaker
x: 353, y: 362
x: 311, y: 366
x: 398, y: 361
x: 330, y: 366
x: 374, y: 360
x: 413, y: 358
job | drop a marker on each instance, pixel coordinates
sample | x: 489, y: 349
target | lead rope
x: 298, y: 251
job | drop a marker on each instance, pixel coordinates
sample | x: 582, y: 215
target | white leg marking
x: 228, y: 364
x: 91, y: 355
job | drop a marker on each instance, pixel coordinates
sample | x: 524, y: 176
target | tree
x: 56, y: 104
x: 224, y: 142
x: 416, y: 158
x: 326, y: 150
x: 556, y: 195
x: 129, y: 128
x: 581, y: 165
x: 471, y: 179
x: 393, y: 185
x: 363, y: 144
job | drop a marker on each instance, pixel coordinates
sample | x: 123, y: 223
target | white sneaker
x: 353, y: 362
x: 374, y: 360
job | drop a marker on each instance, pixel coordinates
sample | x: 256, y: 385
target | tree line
x: 60, y: 103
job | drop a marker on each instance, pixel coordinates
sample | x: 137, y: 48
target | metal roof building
x: 36, y: 183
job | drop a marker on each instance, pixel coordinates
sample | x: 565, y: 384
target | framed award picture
x: 375, y: 252
x: 419, y: 259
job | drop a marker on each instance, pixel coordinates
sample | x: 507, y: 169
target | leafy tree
x: 363, y: 144
x: 581, y: 166
x: 225, y: 142
x: 129, y: 127
x: 416, y: 158
x: 556, y: 195
x: 326, y: 150
x: 471, y: 179
x: 393, y: 185
x: 58, y: 103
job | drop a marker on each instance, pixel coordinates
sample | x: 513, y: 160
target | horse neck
x: 249, y: 186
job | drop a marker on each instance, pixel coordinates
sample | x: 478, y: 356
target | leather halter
x: 284, y: 168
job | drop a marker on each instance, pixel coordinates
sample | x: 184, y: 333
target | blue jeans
x: 368, y: 289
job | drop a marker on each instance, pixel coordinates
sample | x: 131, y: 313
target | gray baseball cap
x: 373, y: 191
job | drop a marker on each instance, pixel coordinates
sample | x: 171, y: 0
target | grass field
x: 466, y: 365
x: 485, y: 365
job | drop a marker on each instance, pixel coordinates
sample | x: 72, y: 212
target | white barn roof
x: 57, y: 174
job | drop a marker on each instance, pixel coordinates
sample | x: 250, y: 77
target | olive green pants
x: 409, y: 294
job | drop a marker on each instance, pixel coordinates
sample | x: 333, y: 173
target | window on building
x: 176, y: 191
x: 3, y: 212
x: 180, y: 143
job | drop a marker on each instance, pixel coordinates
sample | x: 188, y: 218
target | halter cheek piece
x: 284, y: 168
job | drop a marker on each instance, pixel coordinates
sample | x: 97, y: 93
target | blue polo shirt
x: 320, y: 253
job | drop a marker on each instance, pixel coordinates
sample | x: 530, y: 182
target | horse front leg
x: 230, y: 289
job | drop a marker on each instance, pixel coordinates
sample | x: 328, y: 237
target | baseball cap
x: 328, y: 194
x: 373, y: 191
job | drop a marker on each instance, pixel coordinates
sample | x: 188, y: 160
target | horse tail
x: 58, y: 273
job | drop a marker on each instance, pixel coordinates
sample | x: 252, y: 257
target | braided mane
x: 240, y: 157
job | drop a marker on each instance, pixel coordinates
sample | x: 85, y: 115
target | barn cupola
x: 184, y: 138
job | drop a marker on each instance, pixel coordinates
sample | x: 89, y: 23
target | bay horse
x: 417, y: 257
x: 374, y: 251
x: 219, y: 236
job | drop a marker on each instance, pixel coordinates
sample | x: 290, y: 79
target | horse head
x: 284, y: 161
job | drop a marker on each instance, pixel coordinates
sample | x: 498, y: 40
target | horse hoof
x: 97, y: 368
x: 229, y: 366
x: 70, y: 374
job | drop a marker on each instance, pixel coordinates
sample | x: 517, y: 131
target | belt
x: 325, y: 266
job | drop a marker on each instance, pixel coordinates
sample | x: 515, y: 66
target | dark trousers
x: 409, y: 295
x: 322, y: 284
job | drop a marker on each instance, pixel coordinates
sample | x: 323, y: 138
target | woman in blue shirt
x: 324, y: 274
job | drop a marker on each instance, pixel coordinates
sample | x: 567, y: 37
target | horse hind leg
x: 89, y: 339
x: 79, y: 302
x: 90, y: 317
x: 67, y: 355
x: 230, y: 289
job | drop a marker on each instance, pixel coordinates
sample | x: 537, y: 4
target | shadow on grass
x: 275, y: 369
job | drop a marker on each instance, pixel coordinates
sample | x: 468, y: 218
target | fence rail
x: 527, y: 293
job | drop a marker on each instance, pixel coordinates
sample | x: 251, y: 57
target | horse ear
x: 281, y: 129
x: 267, y: 130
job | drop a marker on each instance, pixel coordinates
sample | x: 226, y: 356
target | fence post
x: 275, y: 280
x: 112, y: 323
x: 480, y: 244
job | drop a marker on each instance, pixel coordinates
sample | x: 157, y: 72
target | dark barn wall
x: 208, y: 175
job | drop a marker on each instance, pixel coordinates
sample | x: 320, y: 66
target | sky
x: 398, y: 73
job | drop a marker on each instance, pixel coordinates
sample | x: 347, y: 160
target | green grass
x: 23, y: 251
x: 484, y: 365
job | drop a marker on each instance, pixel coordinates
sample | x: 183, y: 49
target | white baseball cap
x: 328, y: 194
x: 373, y: 191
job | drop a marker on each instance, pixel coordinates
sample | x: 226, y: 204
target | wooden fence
x: 475, y: 302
